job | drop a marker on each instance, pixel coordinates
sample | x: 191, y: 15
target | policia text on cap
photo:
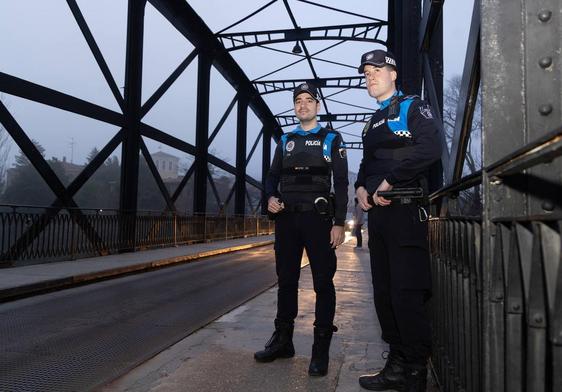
x: 307, y: 217
x: 400, y: 143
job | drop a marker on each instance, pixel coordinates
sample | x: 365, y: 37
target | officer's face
x: 380, y: 81
x: 306, y: 107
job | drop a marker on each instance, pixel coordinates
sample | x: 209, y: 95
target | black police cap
x: 378, y: 58
x: 306, y: 88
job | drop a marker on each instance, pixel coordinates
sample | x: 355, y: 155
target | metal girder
x: 404, y: 17
x: 354, y: 145
x: 92, y: 166
x: 96, y: 52
x: 289, y: 120
x: 188, y: 148
x: 156, y: 175
x: 223, y: 119
x: 432, y: 12
x: 542, y: 150
x: 308, y: 57
x: 214, y: 188
x: 183, y: 182
x: 365, y: 32
x: 254, y: 146
x: 241, y: 137
x: 273, y: 86
x: 467, y: 100
x: 182, y: 16
x: 133, y: 99
x: 48, y: 175
x: 202, y: 134
x: 24, y: 89
x: 150, y: 102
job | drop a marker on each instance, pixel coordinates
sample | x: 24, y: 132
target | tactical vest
x: 397, y: 122
x: 306, y: 165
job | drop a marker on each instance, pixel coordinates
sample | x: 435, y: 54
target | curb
x: 31, y: 289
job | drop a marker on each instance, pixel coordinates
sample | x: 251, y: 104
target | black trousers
x: 295, y: 231
x: 401, y: 277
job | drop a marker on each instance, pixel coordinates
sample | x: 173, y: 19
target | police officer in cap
x: 306, y: 217
x: 400, y: 144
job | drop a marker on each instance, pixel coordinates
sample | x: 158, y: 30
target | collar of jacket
x: 299, y: 131
x: 386, y: 102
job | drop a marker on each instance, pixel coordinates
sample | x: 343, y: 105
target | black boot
x: 392, y: 376
x: 416, y: 378
x: 280, y: 345
x: 321, y: 351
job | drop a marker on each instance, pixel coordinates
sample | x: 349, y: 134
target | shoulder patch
x: 425, y: 111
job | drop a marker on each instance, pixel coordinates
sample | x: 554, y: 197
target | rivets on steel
x: 545, y: 62
x: 544, y: 15
x: 545, y: 109
x: 547, y: 205
x: 516, y: 307
x: 538, y: 319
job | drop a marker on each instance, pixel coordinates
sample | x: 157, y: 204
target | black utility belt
x: 299, y: 207
x: 323, y: 205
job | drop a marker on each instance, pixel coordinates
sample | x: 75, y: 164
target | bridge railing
x: 497, y: 281
x: 29, y: 234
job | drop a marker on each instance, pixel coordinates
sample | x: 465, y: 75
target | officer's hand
x: 274, y: 205
x: 381, y: 201
x: 362, y: 198
x: 337, y: 236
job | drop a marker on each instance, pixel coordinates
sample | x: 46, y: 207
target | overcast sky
x: 40, y: 42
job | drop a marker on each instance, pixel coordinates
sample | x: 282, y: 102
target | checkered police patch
x: 425, y: 111
x: 403, y: 133
x: 304, y: 86
x: 369, y: 56
x: 289, y: 147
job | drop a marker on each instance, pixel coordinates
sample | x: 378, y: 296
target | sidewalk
x: 219, y: 357
x: 34, y: 279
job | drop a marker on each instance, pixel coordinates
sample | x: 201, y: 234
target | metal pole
x: 241, y: 136
x: 132, y: 114
x: 202, y: 134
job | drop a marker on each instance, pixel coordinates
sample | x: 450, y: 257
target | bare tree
x: 470, y: 200
x: 5, y: 146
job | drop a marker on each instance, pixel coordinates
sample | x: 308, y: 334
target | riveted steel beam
x: 365, y: 32
x: 273, y: 86
x: 289, y: 120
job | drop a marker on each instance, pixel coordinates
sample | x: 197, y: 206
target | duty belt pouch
x: 332, y: 205
x: 322, y: 206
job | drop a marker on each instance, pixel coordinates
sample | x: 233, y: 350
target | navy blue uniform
x: 400, y: 147
x: 302, y: 168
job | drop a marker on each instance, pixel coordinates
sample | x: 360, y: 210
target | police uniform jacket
x: 303, y: 166
x: 400, y: 142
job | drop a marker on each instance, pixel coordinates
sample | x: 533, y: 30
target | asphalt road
x: 81, y: 338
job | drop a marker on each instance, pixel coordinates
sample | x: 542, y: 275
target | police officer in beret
x: 400, y: 143
x: 307, y: 216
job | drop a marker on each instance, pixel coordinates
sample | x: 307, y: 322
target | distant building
x: 71, y: 170
x: 167, y: 165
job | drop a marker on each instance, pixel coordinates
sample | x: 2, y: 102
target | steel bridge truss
x: 498, y: 274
